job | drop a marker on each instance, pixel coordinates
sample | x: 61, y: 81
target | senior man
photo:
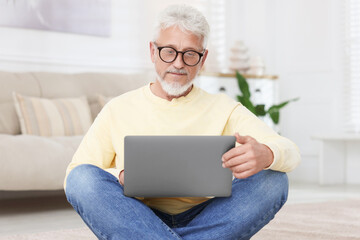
x: 172, y: 105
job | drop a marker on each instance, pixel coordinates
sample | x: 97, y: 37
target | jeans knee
x: 80, y: 179
x: 272, y: 184
x: 279, y: 183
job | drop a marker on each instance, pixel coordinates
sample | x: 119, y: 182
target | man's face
x: 177, y: 73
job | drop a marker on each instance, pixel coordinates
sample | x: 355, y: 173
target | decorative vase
x: 239, y: 57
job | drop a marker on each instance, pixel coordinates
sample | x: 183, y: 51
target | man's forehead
x: 178, y: 38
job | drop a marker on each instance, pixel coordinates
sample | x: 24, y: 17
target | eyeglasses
x: 189, y: 57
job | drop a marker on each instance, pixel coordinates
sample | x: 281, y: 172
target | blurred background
x: 303, y: 48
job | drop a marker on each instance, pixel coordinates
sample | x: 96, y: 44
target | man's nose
x: 178, y: 62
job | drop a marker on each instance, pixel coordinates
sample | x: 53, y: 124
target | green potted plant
x: 259, y: 109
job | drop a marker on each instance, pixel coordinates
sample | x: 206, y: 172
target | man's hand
x: 247, y: 159
x: 121, y: 177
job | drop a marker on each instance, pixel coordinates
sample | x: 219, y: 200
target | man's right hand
x: 121, y: 177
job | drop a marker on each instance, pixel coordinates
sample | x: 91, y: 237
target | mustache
x: 179, y: 71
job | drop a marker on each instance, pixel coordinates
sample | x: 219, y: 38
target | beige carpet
x: 66, y: 234
x: 337, y: 220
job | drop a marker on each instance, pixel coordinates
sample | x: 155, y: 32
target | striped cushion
x: 53, y: 117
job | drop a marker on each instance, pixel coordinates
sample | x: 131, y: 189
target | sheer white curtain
x: 215, y: 12
x: 352, y: 66
x: 133, y: 26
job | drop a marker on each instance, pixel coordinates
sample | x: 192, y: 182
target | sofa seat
x: 30, y: 162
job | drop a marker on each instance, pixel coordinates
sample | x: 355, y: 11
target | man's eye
x: 190, y: 54
x: 169, y: 51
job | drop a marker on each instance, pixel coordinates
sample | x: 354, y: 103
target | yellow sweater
x: 140, y: 112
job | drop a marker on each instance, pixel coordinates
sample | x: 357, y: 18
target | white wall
x: 27, y: 49
x: 300, y: 40
x: 36, y: 50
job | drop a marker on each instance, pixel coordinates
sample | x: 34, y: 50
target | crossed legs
x: 98, y: 198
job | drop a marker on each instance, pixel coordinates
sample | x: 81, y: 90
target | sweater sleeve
x: 286, y: 153
x: 96, y: 147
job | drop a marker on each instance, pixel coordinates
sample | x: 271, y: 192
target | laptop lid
x: 176, y: 166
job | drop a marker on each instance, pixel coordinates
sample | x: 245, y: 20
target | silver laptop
x: 176, y: 166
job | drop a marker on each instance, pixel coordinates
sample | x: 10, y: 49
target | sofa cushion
x: 24, y: 83
x: 53, y: 117
x: 30, y: 162
x: 59, y: 85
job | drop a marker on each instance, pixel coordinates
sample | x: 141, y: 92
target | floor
x: 54, y: 213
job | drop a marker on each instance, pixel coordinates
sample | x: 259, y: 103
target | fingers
x: 243, y: 170
x: 234, y: 161
x: 241, y: 167
x: 242, y: 160
x: 242, y: 139
x: 239, y: 149
x: 121, y: 177
x: 234, y: 152
x: 245, y: 174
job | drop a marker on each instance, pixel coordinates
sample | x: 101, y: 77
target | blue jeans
x: 98, y: 198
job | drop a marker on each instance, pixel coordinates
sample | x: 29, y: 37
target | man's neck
x: 157, y: 90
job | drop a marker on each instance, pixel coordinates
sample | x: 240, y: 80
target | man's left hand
x: 247, y: 159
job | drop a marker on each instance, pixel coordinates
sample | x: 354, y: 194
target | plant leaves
x: 260, y: 110
x: 283, y: 104
x: 247, y: 103
x: 274, y: 111
x: 275, y: 116
x: 243, y: 85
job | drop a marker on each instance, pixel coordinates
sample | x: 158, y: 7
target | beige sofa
x: 30, y: 162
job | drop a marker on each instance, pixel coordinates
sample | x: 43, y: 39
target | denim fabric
x: 98, y: 198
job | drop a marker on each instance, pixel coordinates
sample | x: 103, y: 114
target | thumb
x: 241, y: 139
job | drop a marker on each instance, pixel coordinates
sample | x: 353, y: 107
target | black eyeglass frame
x: 182, y: 55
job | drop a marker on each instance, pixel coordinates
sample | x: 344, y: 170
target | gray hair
x: 186, y: 18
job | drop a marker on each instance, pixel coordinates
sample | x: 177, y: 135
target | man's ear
x: 152, y: 51
x: 204, y: 57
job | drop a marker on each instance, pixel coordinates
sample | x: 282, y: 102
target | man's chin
x: 175, y: 89
x: 174, y: 86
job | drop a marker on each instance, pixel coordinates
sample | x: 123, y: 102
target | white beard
x: 174, y: 89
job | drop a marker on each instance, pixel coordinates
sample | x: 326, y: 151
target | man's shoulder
x: 219, y: 98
